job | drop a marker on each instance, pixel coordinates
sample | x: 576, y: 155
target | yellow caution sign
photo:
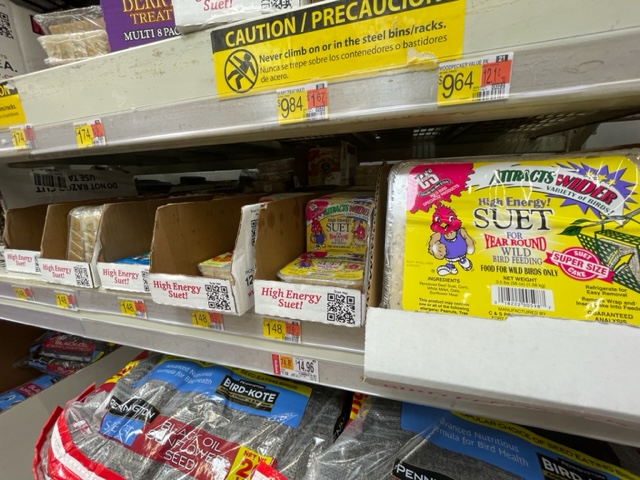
x: 347, y: 38
x: 11, y: 111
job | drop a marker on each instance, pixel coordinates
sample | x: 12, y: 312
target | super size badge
x: 331, y: 40
x: 557, y: 237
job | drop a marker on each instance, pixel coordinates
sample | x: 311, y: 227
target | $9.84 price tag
x: 295, y: 367
x: 90, y: 134
x: 304, y: 103
x: 477, y: 80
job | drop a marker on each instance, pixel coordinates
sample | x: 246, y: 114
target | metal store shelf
x: 340, y: 368
x: 163, y: 95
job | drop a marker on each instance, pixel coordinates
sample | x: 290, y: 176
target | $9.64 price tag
x: 295, y: 367
x: 132, y: 308
x: 66, y: 300
x: 207, y: 320
x: 477, y: 80
x: 285, y: 331
x: 23, y: 137
x: 304, y: 103
x: 90, y: 134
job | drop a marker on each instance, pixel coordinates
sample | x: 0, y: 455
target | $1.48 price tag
x: 207, y: 320
x: 477, y: 80
x: 133, y: 308
x: 66, y: 300
x: 90, y: 134
x: 304, y: 103
x: 283, y: 330
x: 295, y: 367
x: 24, y: 293
x: 23, y: 137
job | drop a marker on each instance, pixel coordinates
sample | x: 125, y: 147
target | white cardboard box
x: 20, y: 52
x: 188, y: 233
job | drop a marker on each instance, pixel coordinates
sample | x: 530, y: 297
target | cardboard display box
x: 281, y: 237
x: 22, y: 237
x: 186, y: 234
x: 20, y: 52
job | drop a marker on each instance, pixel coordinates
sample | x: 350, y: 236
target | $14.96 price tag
x: 90, y: 134
x: 283, y: 330
x: 132, y: 308
x: 23, y: 137
x: 295, y: 367
x: 207, y: 320
x: 304, y: 103
x: 476, y: 80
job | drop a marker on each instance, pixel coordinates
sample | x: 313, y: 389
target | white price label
x: 296, y: 367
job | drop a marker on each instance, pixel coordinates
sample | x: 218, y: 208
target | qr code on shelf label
x: 218, y: 297
x: 82, y: 276
x: 341, y: 308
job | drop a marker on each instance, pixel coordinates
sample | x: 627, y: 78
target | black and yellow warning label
x: 11, y: 111
x: 346, y: 38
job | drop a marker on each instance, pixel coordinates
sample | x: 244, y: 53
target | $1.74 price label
x: 304, y: 103
x: 90, y: 134
x: 23, y: 137
x: 295, y: 367
x: 477, y: 80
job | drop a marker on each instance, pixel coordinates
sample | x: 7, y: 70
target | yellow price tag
x: 23, y: 293
x: 286, y: 362
x: 276, y: 329
x: 132, y: 308
x: 302, y: 104
x: 66, y: 301
x: 459, y: 85
x: 18, y: 138
x: 84, y: 135
x: 203, y: 319
x: 200, y: 319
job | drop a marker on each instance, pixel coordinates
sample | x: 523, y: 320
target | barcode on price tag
x: 23, y: 137
x: 66, y: 300
x: 24, y: 293
x: 295, y: 367
x: 132, y: 307
x: 207, y: 320
x: 305, y: 103
x: 90, y: 134
x: 477, y: 80
x: 283, y: 330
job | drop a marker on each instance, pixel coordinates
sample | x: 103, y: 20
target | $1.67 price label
x: 295, y: 367
x: 304, y: 103
x: 476, y: 80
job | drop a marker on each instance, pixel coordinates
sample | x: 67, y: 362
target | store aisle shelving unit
x: 575, y: 68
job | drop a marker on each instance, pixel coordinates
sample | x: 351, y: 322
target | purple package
x: 131, y: 23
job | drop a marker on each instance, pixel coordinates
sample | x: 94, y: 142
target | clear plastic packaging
x: 554, y: 236
x: 143, y: 259
x: 217, y: 267
x: 332, y: 165
x: 83, y: 231
x: 388, y: 439
x: 70, y: 47
x: 76, y: 20
x: 172, y: 418
x: 330, y: 270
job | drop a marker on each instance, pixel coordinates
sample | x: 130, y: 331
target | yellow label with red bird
x: 557, y: 238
